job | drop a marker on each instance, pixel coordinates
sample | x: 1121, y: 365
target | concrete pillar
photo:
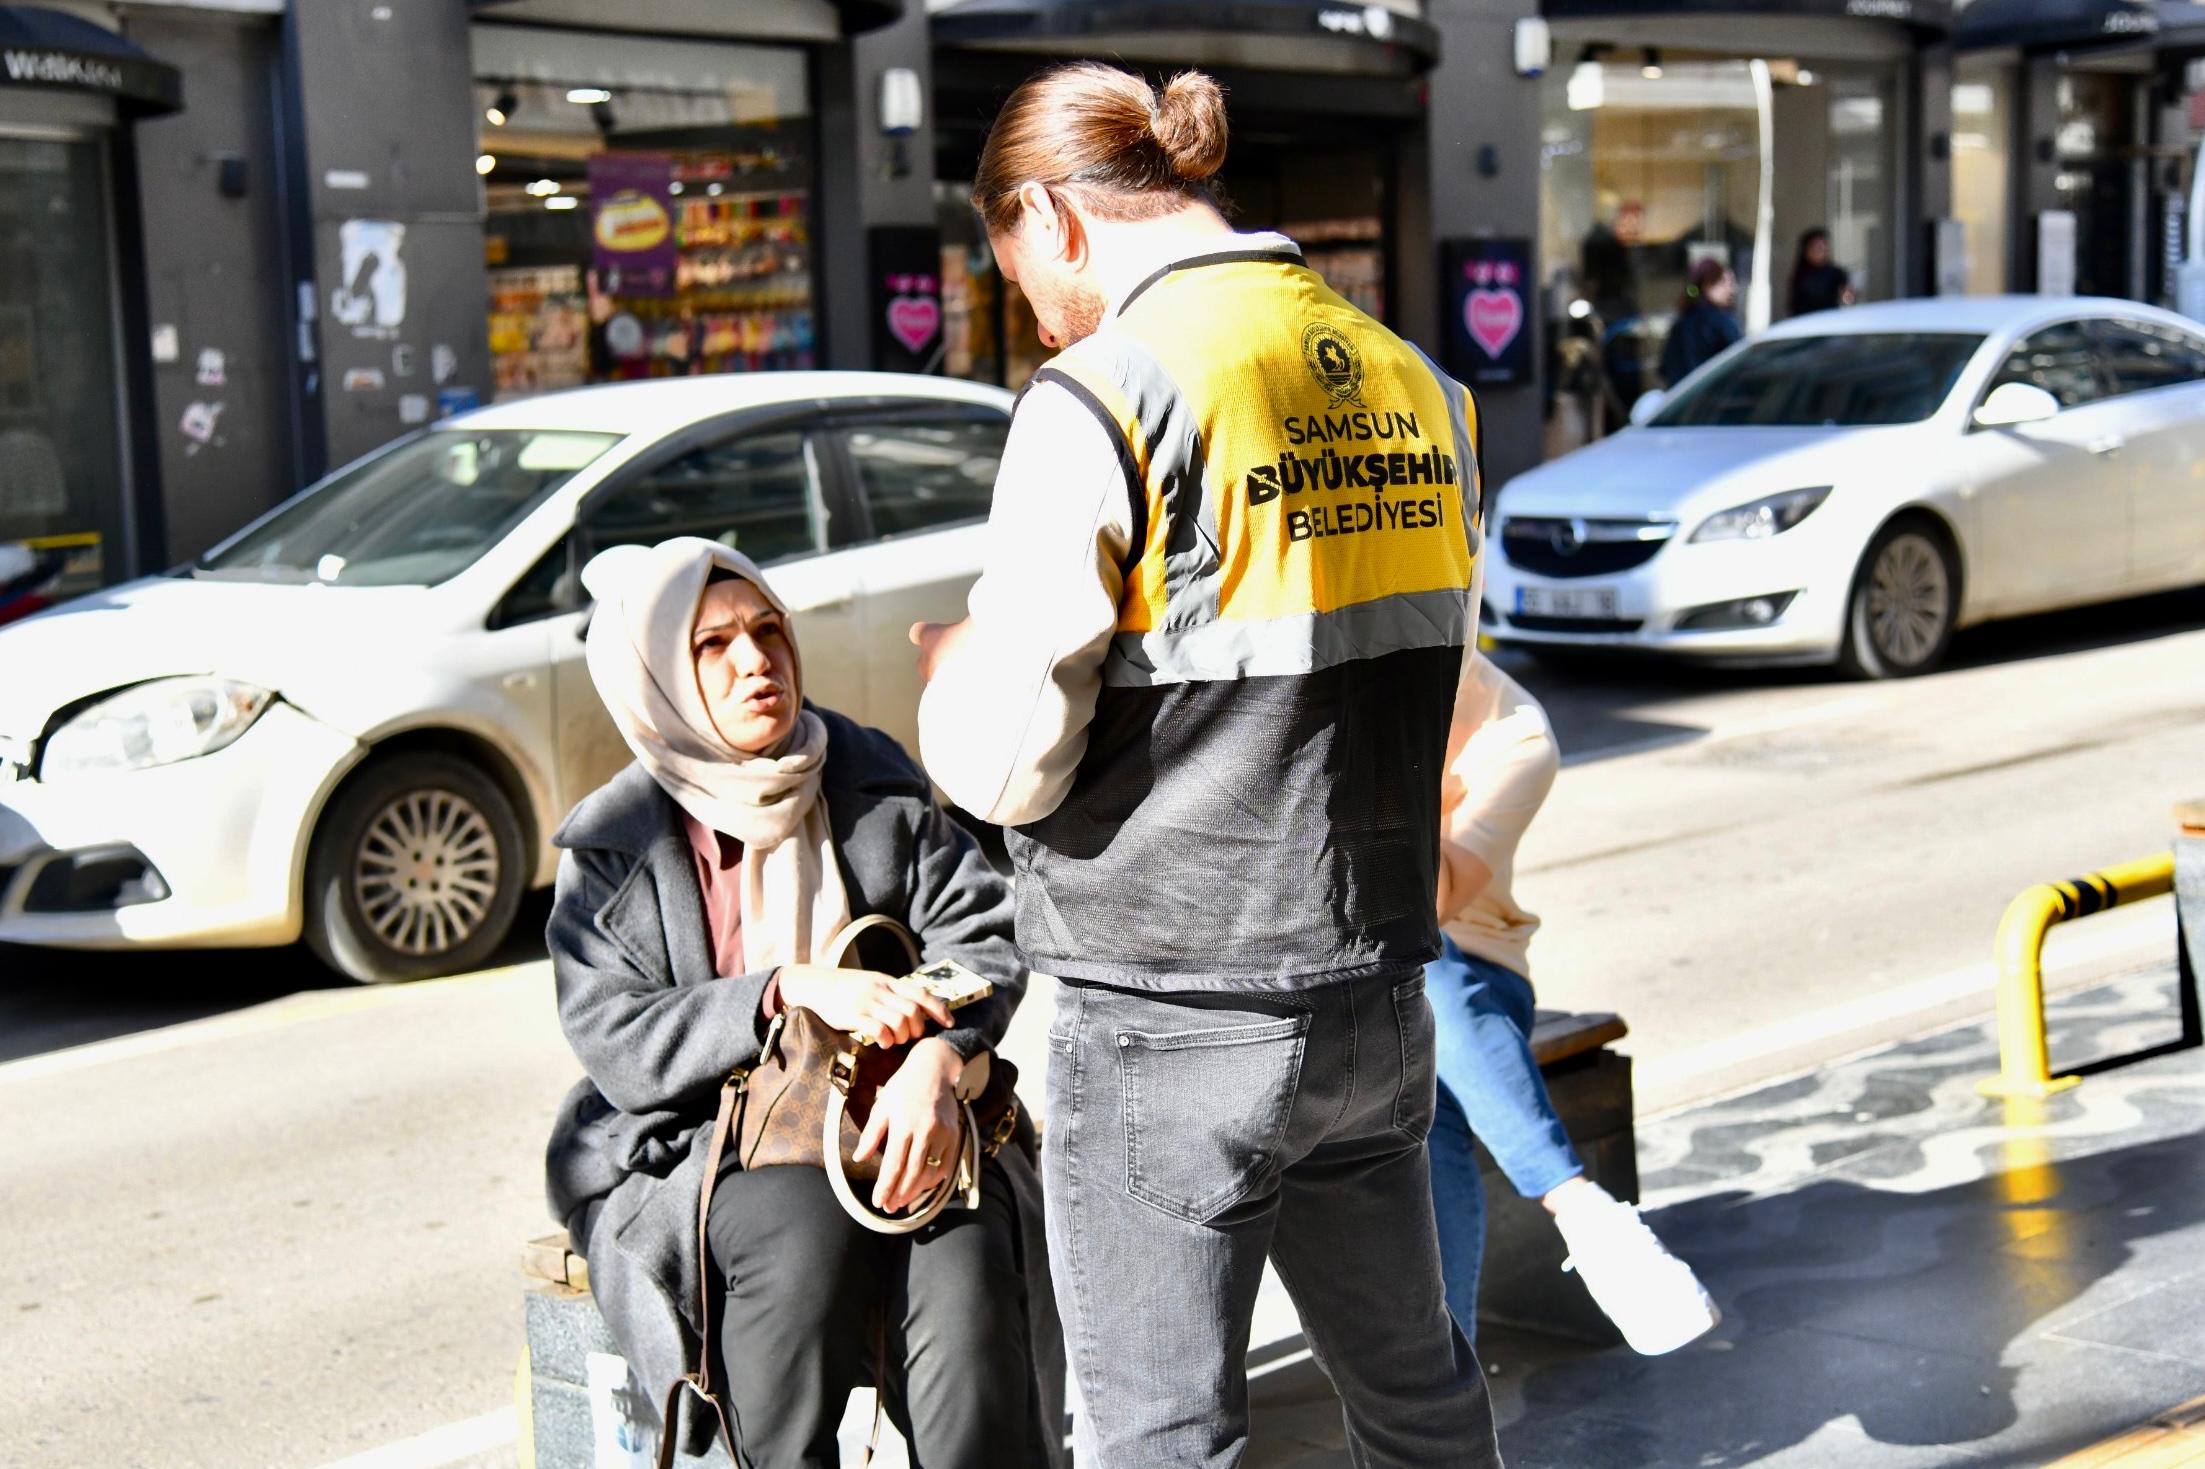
x: 1478, y: 103
x: 867, y: 181
x: 1925, y: 170
x: 380, y: 142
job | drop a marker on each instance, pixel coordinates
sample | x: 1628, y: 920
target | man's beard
x: 1071, y: 313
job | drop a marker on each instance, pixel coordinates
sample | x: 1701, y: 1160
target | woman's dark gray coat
x: 658, y: 1031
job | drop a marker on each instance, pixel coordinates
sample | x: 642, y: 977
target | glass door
x: 61, y: 471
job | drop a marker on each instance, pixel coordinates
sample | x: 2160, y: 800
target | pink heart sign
x: 914, y: 320
x: 1494, y: 318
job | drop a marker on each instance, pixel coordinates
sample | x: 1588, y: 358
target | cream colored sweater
x: 1501, y: 762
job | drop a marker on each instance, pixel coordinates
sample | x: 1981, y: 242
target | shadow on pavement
x: 1907, y: 1320
x: 52, y: 999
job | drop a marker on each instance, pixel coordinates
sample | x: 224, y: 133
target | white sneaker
x: 1653, y: 1297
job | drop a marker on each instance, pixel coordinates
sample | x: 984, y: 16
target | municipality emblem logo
x: 1333, y: 362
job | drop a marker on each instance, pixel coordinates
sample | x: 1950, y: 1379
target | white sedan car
x: 361, y: 718
x: 1852, y: 486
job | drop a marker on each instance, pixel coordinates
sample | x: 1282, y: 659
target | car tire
x: 417, y: 870
x: 1905, y: 600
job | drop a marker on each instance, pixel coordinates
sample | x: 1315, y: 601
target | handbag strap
x: 700, y: 1381
x: 844, y: 944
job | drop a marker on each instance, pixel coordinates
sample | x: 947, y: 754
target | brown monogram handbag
x: 804, y: 1103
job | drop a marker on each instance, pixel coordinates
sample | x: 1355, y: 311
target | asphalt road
x: 259, y: 1219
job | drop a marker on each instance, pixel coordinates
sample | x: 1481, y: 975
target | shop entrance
x: 62, y: 480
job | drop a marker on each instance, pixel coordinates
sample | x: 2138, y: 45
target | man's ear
x: 1051, y: 222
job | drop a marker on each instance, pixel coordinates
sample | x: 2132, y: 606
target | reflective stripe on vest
x: 1303, y: 482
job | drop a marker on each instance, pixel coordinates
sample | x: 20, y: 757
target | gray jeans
x: 1192, y: 1134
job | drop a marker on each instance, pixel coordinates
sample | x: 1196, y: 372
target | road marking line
x: 440, y: 1446
x: 2147, y: 926
x: 267, y: 1016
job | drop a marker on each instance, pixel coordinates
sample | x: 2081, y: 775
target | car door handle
x: 2106, y: 447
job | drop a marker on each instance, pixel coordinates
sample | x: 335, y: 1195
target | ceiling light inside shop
x: 562, y: 201
x: 544, y: 188
x: 585, y: 96
x: 715, y: 189
x: 677, y: 187
x: 1807, y: 79
x: 485, y: 162
x: 500, y: 111
x: 1650, y: 65
x: 1587, y: 87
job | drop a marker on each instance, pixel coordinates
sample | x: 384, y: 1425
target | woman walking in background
x: 1704, y: 325
x: 1818, y: 283
x: 1501, y: 763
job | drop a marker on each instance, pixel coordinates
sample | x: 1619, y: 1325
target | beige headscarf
x: 640, y: 659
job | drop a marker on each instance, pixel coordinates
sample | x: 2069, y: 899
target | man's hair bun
x: 1190, y: 125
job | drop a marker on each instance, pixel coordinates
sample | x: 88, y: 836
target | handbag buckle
x: 842, y: 1071
x: 999, y: 1136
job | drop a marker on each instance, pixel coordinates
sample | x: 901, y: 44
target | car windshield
x: 419, y: 513
x: 1845, y: 380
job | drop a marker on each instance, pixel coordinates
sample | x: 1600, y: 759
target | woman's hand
x: 914, y: 1126
x: 868, y: 1005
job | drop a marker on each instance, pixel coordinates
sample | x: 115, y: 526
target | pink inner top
x: 720, y: 873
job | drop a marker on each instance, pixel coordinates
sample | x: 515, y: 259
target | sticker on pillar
x: 198, y: 427
x: 622, y: 1423
x: 370, y: 298
x: 1489, y: 309
x: 443, y: 363
x: 363, y: 380
x: 213, y: 367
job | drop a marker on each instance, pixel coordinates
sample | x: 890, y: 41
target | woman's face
x: 1723, y: 291
x: 746, y: 667
x: 1818, y: 251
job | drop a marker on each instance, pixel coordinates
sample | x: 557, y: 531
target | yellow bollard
x: 2024, y: 1059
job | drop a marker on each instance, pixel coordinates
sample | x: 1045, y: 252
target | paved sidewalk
x: 1905, y: 1280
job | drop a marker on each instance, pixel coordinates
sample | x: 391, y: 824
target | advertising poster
x: 907, y: 298
x: 632, y: 224
x: 1488, y: 310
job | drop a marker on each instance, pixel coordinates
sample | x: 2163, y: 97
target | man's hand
x: 871, y: 1006
x: 937, y: 641
x: 914, y: 1126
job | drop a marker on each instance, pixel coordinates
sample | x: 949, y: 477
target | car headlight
x: 157, y: 723
x: 1762, y: 518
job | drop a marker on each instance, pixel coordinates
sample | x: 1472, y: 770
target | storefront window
x: 1982, y: 168
x: 61, y: 478
x: 649, y: 207
x: 2094, y: 147
x: 1652, y: 163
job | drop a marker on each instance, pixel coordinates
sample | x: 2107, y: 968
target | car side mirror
x: 2016, y: 403
x: 1649, y: 403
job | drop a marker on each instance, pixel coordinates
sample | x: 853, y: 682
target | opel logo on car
x: 1568, y: 537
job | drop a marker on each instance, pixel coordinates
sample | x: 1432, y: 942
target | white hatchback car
x: 361, y: 718
x: 1852, y: 486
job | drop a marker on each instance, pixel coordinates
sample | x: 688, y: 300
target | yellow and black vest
x: 1258, y: 805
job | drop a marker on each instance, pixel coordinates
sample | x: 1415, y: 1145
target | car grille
x: 1575, y: 624
x: 1564, y: 547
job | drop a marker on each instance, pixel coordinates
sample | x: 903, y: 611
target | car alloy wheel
x: 425, y: 872
x: 417, y: 869
x: 1909, y: 601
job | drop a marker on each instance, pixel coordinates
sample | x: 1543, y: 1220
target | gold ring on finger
x: 932, y: 1161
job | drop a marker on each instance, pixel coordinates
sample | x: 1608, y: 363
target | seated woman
x: 694, y: 891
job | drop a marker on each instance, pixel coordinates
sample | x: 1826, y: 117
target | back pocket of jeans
x: 1206, y: 1112
x: 1416, y: 1098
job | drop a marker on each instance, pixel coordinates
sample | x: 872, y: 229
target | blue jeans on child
x: 1489, y: 1091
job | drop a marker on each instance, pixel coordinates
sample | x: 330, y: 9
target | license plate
x: 1566, y: 601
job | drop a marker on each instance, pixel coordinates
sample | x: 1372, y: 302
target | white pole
x: 1764, y: 218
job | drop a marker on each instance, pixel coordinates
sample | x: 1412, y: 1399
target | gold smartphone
x: 951, y: 983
